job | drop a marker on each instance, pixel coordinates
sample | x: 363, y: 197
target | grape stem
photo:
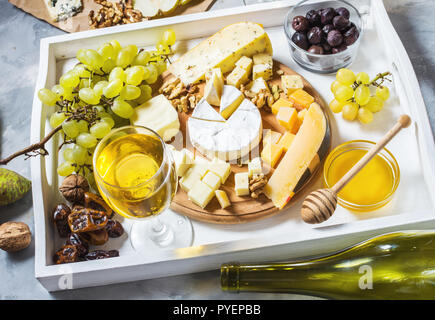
x: 34, y: 149
x: 382, y: 77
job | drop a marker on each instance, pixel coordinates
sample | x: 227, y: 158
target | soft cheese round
x: 227, y: 140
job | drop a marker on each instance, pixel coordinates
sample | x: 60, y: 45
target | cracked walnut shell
x: 73, y: 188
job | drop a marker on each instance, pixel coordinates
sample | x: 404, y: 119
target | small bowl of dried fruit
x: 323, y: 36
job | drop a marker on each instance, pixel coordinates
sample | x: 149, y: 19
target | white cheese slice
x: 205, y: 111
x: 230, y: 100
x: 159, y: 115
x: 214, y: 86
x: 222, y: 50
x: 257, y: 85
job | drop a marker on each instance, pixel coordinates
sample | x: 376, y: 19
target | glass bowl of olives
x: 323, y: 36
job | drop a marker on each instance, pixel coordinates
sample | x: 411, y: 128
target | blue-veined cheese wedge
x: 221, y: 50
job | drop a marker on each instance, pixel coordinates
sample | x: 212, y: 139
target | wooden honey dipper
x: 319, y: 205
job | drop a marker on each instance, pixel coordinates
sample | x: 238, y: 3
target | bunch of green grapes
x: 354, y: 97
x: 100, y: 93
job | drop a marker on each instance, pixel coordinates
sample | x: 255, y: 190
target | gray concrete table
x: 20, y: 34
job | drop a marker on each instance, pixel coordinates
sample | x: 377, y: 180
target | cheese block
x: 255, y: 167
x: 63, y: 9
x: 183, y: 160
x: 220, y: 168
x: 230, y: 100
x: 238, y: 77
x: 205, y: 111
x: 271, y: 153
x: 288, y: 118
x: 286, y: 140
x: 201, y: 194
x: 244, y: 63
x: 221, y: 50
x: 262, y: 71
x: 228, y: 140
x: 212, y: 180
x: 290, y: 83
x: 241, y: 186
x: 257, y: 85
x: 214, y: 86
x: 222, y: 198
x: 281, y: 102
x: 194, y: 174
x: 159, y: 115
x: 263, y: 58
x: 301, y: 99
x: 281, y: 185
x: 271, y: 137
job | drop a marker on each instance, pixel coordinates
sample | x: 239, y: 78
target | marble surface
x: 20, y: 34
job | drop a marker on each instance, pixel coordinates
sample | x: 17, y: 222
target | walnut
x: 256, y: 185
x: 14, y: 236
x: 182, y: 98
x: 111, y: 14
x: 73, y: 188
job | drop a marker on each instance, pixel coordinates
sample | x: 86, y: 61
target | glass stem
x: 161, y: 233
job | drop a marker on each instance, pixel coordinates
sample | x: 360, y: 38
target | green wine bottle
x: 398, y: 265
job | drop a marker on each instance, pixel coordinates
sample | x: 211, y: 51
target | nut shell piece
x: 14, y: 236
x: 73, y: 188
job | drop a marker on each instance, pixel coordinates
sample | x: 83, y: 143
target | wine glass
x: 135, y: 174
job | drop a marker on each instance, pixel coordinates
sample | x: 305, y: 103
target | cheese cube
x: 221, y: 168
x: 230, y: 100
x: 189, y: 179
x: 214, y: 86
x: 286, y: 140
x: 288, y: 118
x: 290, y: 83
x: 255, y: 167
x: 238, y: 77
x: 222, y: 198
x: 263, y: 58
x: 183, y: 161
x: 301, y: 99
x: 212, y: 180
x: 301, y: 115
x: 271, y: 137
x: 257, y: 85
x: 201, y: 194
x: 241, y: 183
x: 262, y: 71
x: 271, y: 154
x: 281, y: 102
x: 245, y: 63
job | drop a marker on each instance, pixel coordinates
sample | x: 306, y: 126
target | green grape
x: 85, y: 83
x: 383, y: 92
x: 343, y: 93
x: 100, y: 129
x: 161, y: 66
x: 90, y: 58
x: 145, y: 95
x: 375, y: 104
x: 132, y: 49
x: 81, y: 71
x: 365, y: 116
x: 69, y: 80
x: 82, y: 125
x: 142, y: 58
x: 65, y: 169
x: 345, y: 76
x: 169, y: 37
x: 153, y: 74
x: 334, y: 85
x: 68, y: 155
x: 99, y: 109
x: 86, y: 140
x: 130, y: 92
x: 99, y: 87
x: 162, y: 48
x: 79, y: 154
x: 122, y: 108
x: 109, y: 120
x: 58, y: 90
x: 350, y: 111
x: 57, y: 118
x: 134, y: 75
x: 116, y: 46
x: 70, y: 128
x: 363, y: 78
x: 88, y: 95
x: 68, y: 94
x: 124, y: 58
x: 108, y: 65
x: 107, y: 52
x: 335, y: 106
x: 117, y: 73
x: 362, y: 95
x: 47, y: 97
x: 113, y: 88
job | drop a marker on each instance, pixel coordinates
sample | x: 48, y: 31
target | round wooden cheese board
x: 245, y: 209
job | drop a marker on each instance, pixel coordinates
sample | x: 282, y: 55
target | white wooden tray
x: 279, y: 237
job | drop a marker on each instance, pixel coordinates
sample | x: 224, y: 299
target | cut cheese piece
x: 214, y: 86
x: 221, y: 50
x: 183, y: 161
x: 222, y: 198
x: 238, y: 77
x: 194, y: 174
x: 301, y: 99
x: 230, y: 100
x: 245, y: 63
x: 262, y: 71
x: 205, y: 111
x: 291, y: 83
x: 263, y: 58
x: 201, y: 194
x: 257, y: 85
x: 212, y: 180
x: 271, y: 137
x: 295, y: 162
x: 241, y: 180
x: 221, y: 168
x: 281, y: 102
x: 159, y: 115
x: 271, y: 154
x: 286, y: 140
x: 288, y: 118
x: 255, y: 167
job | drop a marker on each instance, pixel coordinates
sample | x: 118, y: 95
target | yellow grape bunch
x: 358, y: 97
x: 100, y: 92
